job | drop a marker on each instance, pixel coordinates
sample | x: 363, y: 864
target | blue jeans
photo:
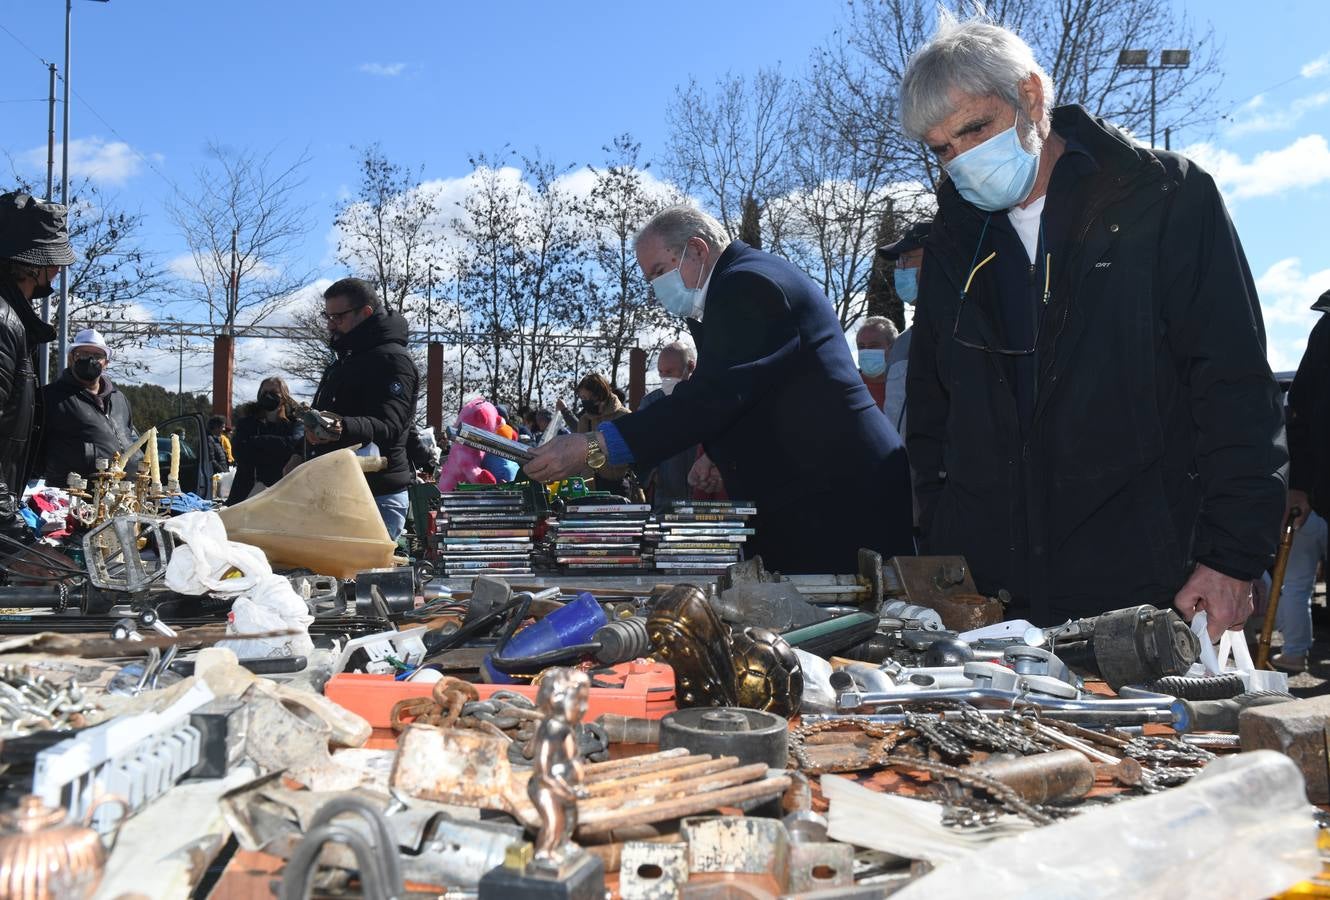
x: 1294, y: 616
x: 392, y: 507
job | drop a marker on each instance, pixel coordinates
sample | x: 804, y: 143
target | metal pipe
x: 989, y: 697
x: 1054, y: 777
x: 871, y: 677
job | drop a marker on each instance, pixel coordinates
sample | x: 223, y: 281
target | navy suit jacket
x: 780, y: 408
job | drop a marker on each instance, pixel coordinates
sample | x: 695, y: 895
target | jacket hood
x: 380, y: 328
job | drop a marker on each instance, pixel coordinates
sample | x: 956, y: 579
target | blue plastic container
x: 575, y: 623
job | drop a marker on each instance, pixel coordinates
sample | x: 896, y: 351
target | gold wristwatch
x: 595, y: 457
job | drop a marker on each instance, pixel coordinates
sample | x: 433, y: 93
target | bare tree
x: 843, y: 184
x: 308, y: 355
x: 617, y: 208
x: 491, y: 217
x: 114, y: 278
x: 728, y: 144
x: 858, y: 73
x: 548, y: 296
x: 244, y: 224
x: 385, y: 230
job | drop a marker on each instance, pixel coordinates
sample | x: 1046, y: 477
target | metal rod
x: 1276, y: 589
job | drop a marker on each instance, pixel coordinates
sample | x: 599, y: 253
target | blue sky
x: 436, y: 82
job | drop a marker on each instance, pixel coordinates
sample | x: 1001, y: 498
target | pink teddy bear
x: 463, y: 465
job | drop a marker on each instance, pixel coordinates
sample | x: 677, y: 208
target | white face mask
x: 668, y: 384
x: 675, y: 296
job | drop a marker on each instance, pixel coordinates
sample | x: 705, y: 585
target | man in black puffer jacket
x: 371, y: 388
x: 34, y: 244
x: 86, y: 417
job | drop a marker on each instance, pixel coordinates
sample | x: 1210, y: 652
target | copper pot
x: 43, y: 857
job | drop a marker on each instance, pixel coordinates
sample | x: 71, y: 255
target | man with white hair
x: 775, y: 401
x: 1091, y: 417
x: 669, y: 480
x: 87, y: 418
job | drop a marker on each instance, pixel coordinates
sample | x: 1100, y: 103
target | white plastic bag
x: 1214, y: 659
x: 272, y: 606
x: 209, y: 563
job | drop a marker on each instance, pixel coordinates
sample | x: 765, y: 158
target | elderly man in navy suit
x: 775, y: 401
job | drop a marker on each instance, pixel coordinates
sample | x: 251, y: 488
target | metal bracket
x: 652, y: 871
x: 112, y: 555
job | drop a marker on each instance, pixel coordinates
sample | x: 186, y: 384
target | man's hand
x: 1227, y: 601
x: 558, y: 404
x: 1301, y: 502
x: 560, y: 458
x: 704, y: 476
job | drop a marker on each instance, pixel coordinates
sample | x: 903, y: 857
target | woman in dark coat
x: 265, y: 438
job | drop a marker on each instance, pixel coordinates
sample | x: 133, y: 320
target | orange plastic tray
x: 641, y: 689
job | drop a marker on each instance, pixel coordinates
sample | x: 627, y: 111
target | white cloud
x: 382, y: 70
x: 1277, y: 119
x: 1317, y: 67
x: 1287, y: 294
x: 1302, y: 164
x: 109, y: 163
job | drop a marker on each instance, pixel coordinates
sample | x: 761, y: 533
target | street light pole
x: 1140, y: 59
x: 429, y: 305
x: 62, y: 331
x: 62, y: 334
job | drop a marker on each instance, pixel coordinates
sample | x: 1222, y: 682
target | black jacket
x: 779, y: 407
x: 372, y: 386
x: 81, y: 428
x: 21, y: 330
x: 1156, y: 438
x: 262, y: 449
x: 1309, y: 416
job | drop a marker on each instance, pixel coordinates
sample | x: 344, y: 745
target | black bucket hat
x: 33, y: 231
x: 911, y: 240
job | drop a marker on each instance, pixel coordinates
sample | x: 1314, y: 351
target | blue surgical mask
x: 872, y: 361
x: 907, y: 284
x: 997, y: 174
x: 675, y: 296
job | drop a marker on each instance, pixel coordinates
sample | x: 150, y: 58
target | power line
x: 19, y: 41
x: 61, y: 75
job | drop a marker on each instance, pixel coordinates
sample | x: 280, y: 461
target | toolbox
x: 639, y: 689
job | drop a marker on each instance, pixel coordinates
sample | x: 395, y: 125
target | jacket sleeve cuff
x: 1226, y: 567
x: 616, y: 448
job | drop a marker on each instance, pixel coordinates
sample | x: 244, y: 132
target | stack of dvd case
x: 700, y: 537
x: 485, y: 533
x: 600, y: 537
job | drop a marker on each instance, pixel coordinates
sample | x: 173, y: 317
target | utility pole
x: 62, y: 332
x: 429, y: 306
x: 44, y: 350
x: 232, y: 286
x: 180, y: 374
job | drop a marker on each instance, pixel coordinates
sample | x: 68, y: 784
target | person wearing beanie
x: 87, y: 419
